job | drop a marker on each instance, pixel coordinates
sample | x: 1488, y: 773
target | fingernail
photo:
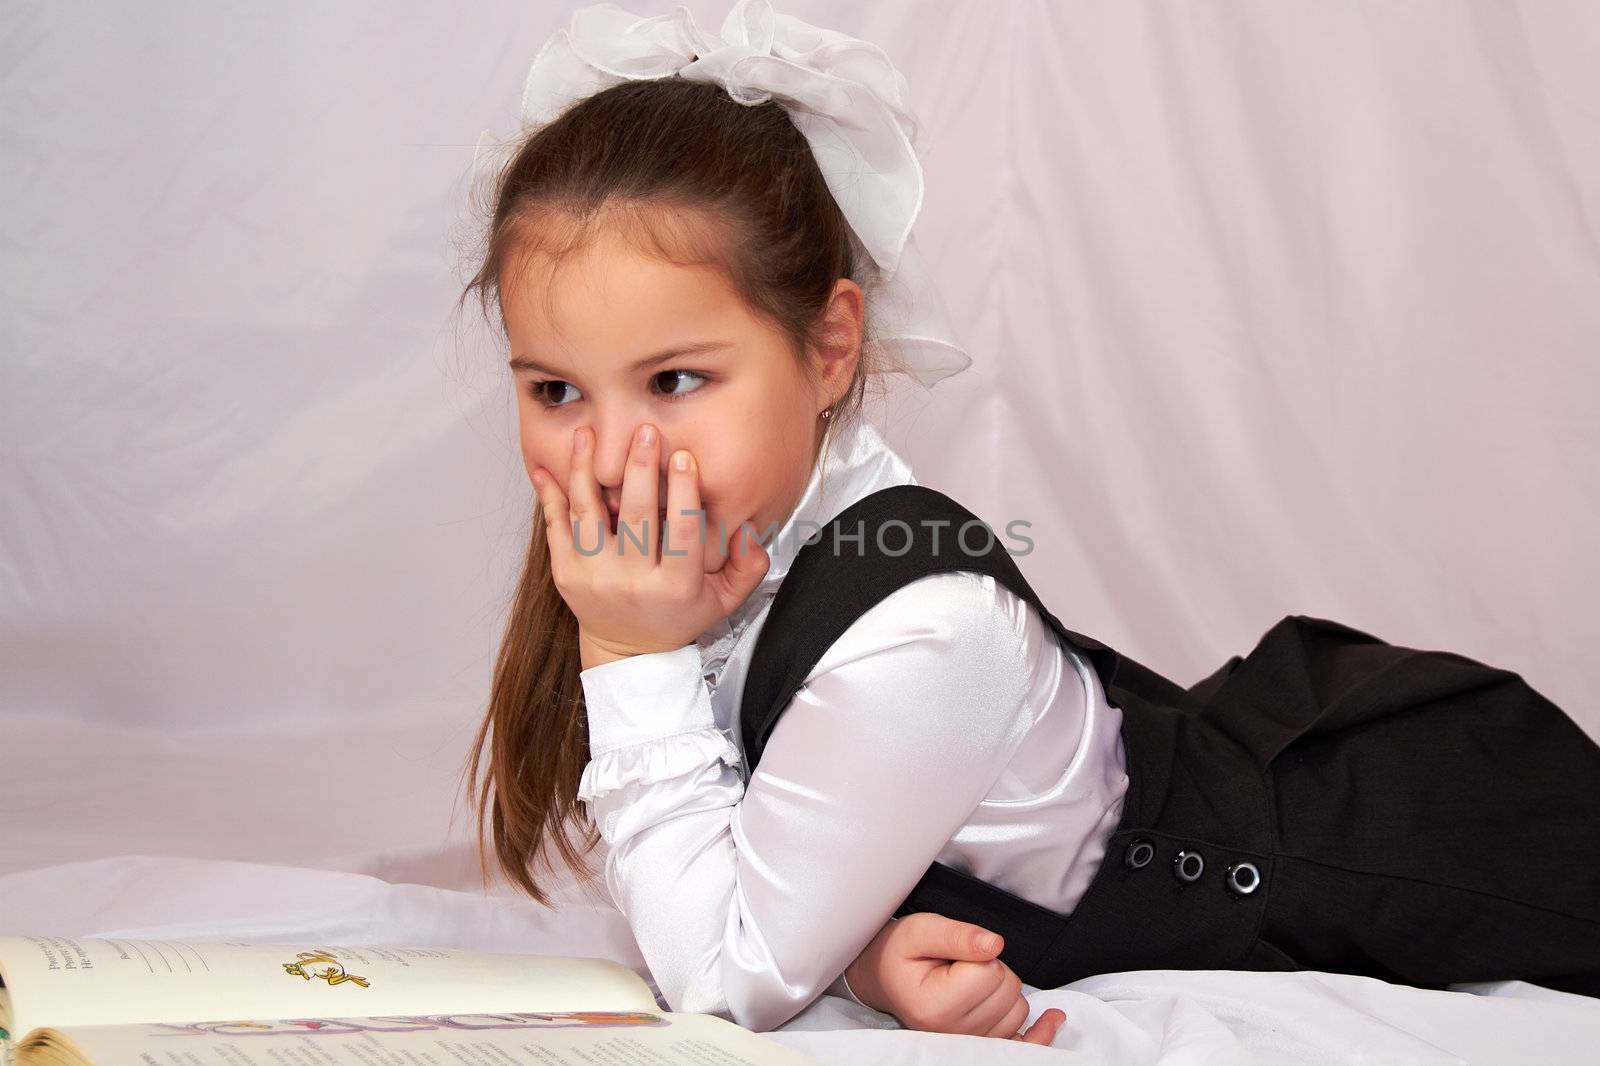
x: 580, y: 441
x: 681, y: 461
x: 647, y: 434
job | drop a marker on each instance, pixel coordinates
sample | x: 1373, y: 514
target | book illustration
x: 409, y: 1023
x: 333, y: 973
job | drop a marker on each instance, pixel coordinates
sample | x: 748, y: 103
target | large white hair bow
x: 843, y: 94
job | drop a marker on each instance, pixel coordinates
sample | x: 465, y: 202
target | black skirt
x: 1327, y: 802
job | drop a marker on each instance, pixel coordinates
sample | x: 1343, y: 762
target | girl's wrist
x: 591, y: 656
x: 861, y: 976
x: 858, y: 982
x: 592, y: 653
x: 851, y: 992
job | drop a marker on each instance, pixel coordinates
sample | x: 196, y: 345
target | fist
x: 940, y: 975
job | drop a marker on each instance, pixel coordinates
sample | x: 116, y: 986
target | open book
x: 90, y: 1002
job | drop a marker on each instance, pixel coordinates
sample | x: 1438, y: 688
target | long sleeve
x: 748, y: 902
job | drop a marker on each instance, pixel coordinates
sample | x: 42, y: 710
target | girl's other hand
x: 939, y: 975
x: 628, y: 599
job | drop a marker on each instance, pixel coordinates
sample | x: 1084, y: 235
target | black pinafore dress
x: 1327, y: 802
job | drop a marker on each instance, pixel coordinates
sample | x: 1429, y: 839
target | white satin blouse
x: 946, y: 723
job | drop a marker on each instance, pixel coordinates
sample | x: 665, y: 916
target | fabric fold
x: 655, y: 760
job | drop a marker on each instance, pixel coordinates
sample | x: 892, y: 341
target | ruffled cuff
x: 655, y: 760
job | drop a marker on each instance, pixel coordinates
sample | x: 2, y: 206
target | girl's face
x: 739, y: 402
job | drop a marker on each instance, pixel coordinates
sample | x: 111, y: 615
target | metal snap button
x: 1139, y: 854
x: 1187, y: 866
x: 1243, y: 878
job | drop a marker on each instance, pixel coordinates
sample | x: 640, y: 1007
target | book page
x: 584, y: 1038
x: 64, y: 981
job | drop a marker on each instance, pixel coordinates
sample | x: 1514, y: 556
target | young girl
x: 825, y: 697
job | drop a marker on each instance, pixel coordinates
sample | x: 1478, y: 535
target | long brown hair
x: 688, y: 174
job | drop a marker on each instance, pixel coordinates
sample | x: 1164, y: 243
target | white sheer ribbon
x: 843, y: 94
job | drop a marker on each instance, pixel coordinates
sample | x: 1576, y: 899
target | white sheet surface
x: 1155, y: 1017
x: 214, y: 839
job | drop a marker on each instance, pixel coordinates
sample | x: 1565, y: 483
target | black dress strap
x: 882, y: 542
x: 879, y: 544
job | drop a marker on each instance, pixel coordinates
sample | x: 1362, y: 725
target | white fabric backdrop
x: 1276, y: 308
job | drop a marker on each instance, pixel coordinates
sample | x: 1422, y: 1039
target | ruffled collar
x: 855, y: 462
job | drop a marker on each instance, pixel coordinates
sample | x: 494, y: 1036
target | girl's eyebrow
x: 522, y: 362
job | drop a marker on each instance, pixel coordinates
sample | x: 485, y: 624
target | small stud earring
x: 827, y: 412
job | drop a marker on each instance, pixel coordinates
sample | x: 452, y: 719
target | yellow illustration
x: 333, y: 973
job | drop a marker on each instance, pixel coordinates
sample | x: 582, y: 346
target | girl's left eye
x: 681, y: 392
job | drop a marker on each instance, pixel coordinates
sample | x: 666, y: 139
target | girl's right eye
x: 541, y: 391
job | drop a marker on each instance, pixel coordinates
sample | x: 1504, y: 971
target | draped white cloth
x: 947, y: 722
x: 1273, y: 307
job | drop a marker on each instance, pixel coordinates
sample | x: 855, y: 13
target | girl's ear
x: 839, y: 346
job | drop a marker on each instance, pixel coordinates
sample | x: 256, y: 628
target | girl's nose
x: 610, y: 458
x: 613, y: 443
